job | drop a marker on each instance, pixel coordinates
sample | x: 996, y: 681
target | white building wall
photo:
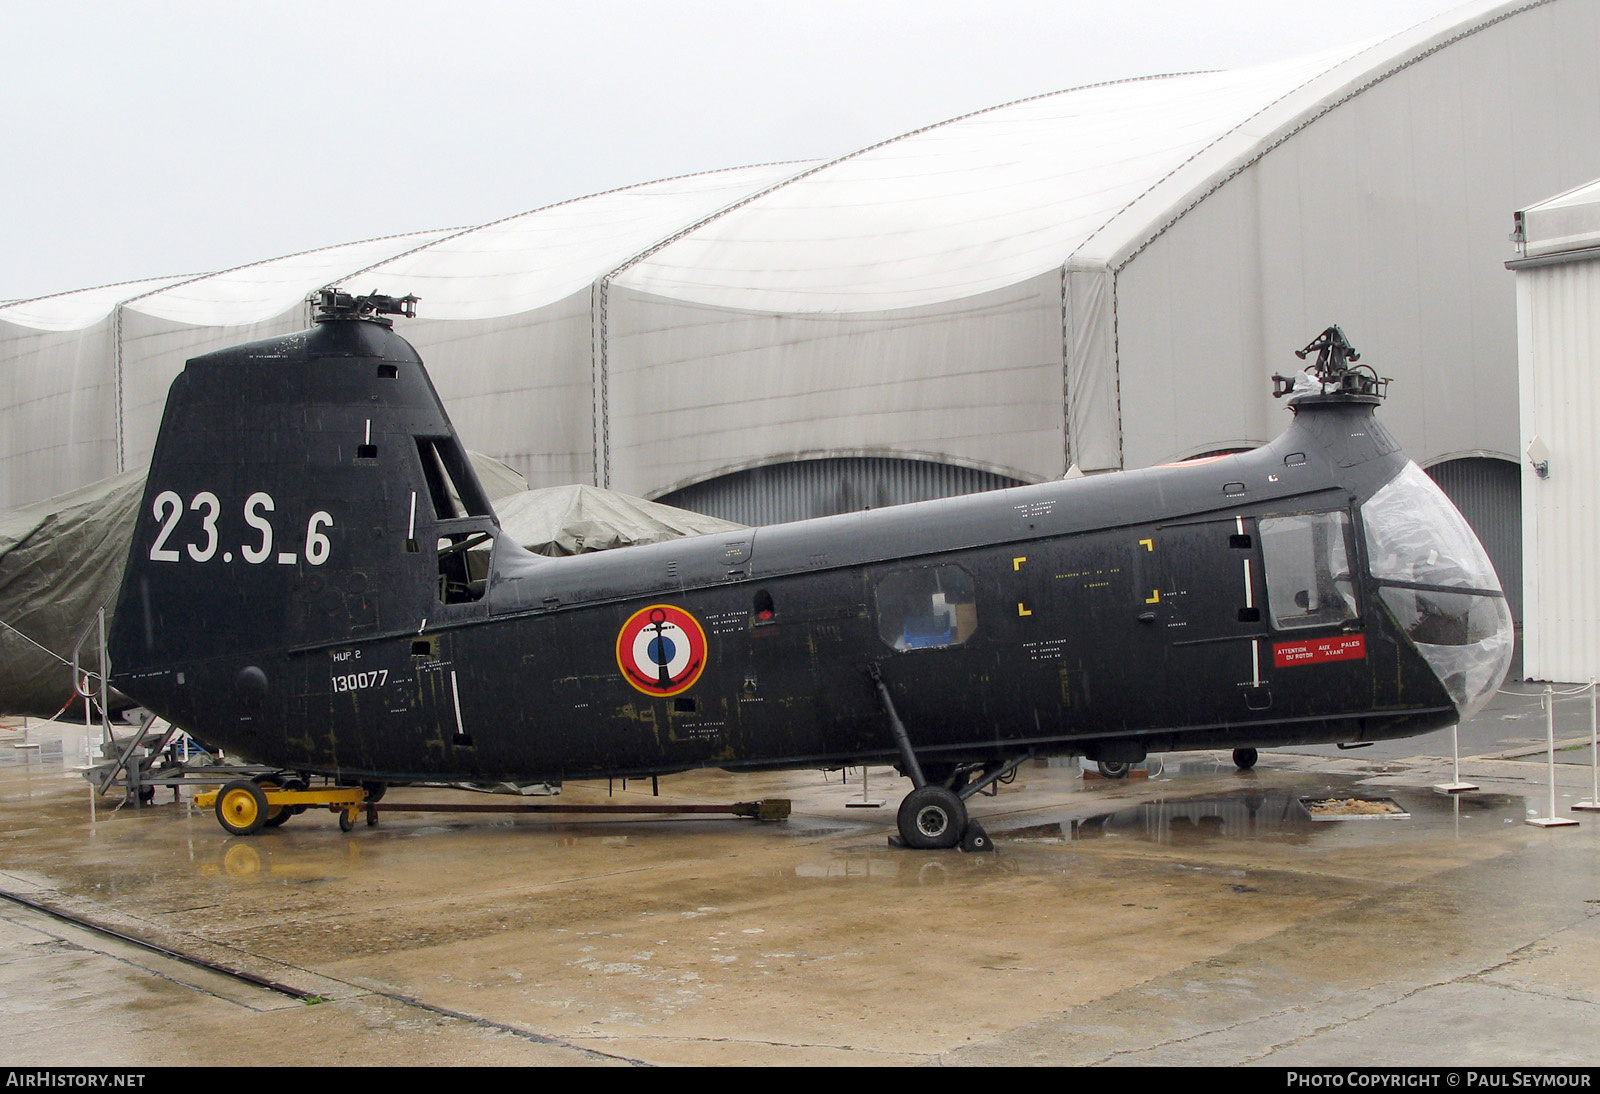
x: 1559, y: 335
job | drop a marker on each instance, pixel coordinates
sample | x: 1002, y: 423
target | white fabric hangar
x: 1103, y: 277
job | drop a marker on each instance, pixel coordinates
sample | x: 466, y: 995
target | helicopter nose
x: 1438, y: 584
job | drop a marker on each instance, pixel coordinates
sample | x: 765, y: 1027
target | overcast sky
x: 150, y: 138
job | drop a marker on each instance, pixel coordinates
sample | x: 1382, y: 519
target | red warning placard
x: 1351, y: 647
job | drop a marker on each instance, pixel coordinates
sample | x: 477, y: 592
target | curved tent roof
x: 260, y: 290
x: 80, y: 307
x: 989, y: 199
x: 535, y: 258
x: 969, y: 205
x: 500, y: 268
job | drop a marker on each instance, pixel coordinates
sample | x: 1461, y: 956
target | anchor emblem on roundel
x: 661, y: 650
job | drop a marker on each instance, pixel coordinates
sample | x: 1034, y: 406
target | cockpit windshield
x: 1438, y: 583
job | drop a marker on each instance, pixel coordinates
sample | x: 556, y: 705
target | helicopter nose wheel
x: 1244, y: 758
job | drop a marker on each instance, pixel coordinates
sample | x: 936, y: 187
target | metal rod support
x: 908, y: 758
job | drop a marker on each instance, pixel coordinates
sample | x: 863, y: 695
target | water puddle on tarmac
x: 1278, y: 814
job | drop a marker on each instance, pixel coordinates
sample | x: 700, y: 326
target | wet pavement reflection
x: 1196, y: 914
x: 1275, y: 814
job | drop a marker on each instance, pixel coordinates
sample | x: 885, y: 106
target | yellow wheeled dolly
x: 245, y: 806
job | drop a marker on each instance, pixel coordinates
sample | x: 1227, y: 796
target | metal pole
x: 1455, y: 785
x: 865, y: 802
x: 1550, y: 820
x: 105, y: 671
x: 1593, y: 804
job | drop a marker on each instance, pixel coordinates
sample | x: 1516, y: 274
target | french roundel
x: 661, y: 650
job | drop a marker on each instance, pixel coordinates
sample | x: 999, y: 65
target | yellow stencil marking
x: 1154, y: 597
x: 1016, y: 563
x: 1148, y: 544
x: 1021, y: 610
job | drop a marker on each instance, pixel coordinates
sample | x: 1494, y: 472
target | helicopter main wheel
x: 932, y: 818
x: 1244, y: 758
x: 241, y: 808
x: 1114, y: 769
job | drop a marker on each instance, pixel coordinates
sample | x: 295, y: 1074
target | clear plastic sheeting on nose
x: 1417, y: 540
x: 1415, y: 534
x: 1466, y: 638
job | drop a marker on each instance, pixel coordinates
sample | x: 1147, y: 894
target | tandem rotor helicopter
x: 317, y: 582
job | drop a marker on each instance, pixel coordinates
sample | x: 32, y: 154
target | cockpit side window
x: 464, y: 520
x: 926, y: 608
x: 1307, y: 562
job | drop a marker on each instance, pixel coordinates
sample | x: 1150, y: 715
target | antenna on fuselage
x: 1335, y: 370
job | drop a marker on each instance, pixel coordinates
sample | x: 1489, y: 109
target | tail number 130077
x: 169, y: 510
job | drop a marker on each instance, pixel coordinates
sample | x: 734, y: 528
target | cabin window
x: 926, y: 608
x: 1307, y: 562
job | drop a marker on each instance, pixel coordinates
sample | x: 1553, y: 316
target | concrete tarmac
x: 1197, y: 915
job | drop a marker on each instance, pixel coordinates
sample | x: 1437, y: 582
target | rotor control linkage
x: 332, y: 304
x: 1335, y: 369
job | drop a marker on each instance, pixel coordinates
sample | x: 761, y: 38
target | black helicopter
x: 317, y: 582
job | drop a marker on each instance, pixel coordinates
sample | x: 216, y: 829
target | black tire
x: 1114, y: 769
x: 932, y: 818
x: 241, y: 808
x: 345, y: 823
x: 1245, y: 758
x: 295, y: 782
x: 276, y: 814
x: 375, y: 791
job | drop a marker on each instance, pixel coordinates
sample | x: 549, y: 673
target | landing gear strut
x: 934, y: 817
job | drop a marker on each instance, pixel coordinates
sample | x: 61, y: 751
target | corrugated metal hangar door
x: 778, y: 493
x: 1488, y: 492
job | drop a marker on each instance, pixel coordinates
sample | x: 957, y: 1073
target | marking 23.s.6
x: 168, y: 509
